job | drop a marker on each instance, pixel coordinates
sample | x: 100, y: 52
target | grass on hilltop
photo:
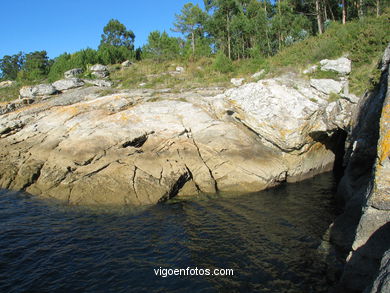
x: 362, y: 40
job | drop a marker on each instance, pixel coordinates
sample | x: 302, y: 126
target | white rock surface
x: 342, y: 65
x: 258, y: 74
x: 327, y: 86
x: 37, y: 90
x: 69, y: 83
x: 237, y: 81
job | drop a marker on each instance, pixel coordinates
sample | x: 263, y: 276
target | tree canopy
x: 116, y: 34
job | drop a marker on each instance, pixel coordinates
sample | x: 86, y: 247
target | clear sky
x: 59, y: 26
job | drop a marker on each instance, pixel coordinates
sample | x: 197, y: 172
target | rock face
x: 99, y: 71
x: 362, y: 232
x: 327, y: 86
x: 99, y: 82
x: 341, y: 65
x: 73, y: 72
x: 382, y: 281
x: 37, y: 90
x: 128, y: 148
x: 69, y: 83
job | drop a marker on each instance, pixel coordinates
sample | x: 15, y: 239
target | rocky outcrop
x: 342, y: 65
x: 362, y: 231
x: 69, y: 83
x: 99, y: 82
x: 131, y: 148
x: 382, y: 281
x: 99, y: 71
x: 75, y: 72
x: 37, y: 90
x: 327, y: 86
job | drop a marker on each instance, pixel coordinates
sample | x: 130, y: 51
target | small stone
x: 237, y: 81
x: 126, y: 63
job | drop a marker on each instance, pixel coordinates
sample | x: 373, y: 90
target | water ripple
x: 270, y: 239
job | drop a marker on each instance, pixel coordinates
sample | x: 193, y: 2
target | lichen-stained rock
x: 128, y: 148
x: 363, y: 229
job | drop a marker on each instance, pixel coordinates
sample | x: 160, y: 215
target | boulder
x: 126, y: 63
x: 341, y: 65
x: 73, y: 72
x: 237, y: 81
x: 99, y: 71
x: 69, y: 83
x: 7, y: 83
x: 327, y: 86
x: 37, y: 90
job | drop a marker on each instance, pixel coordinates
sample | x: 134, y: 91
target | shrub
x: 222, y: 63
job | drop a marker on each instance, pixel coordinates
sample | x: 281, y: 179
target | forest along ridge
x: 131, y: 147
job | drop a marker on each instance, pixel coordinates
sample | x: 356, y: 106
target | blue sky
x: 70, y: 25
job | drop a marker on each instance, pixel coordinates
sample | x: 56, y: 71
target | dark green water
x: 270, y: 239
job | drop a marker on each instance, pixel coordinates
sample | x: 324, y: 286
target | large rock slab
x: 327, y: 86
x: 342, y: 65
x: 69, y: 83
x: 37, y: 90
x: 128, y: 148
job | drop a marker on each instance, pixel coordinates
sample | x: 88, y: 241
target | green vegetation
x: 229, y: 38
x: 333, y: 97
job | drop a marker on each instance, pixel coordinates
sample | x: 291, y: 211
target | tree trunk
x: 378, y: 8
x: 344, y: 12
x: 193, y: 43
x: 319, y: 17
x: 330, y: 10
x: 228, y: 36
x: 360, y: 9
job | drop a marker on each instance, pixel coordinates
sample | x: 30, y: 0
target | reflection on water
x: 270, y: 239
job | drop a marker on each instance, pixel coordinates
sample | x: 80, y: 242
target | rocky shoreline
x: 146, y: 146
x: 143, y: 146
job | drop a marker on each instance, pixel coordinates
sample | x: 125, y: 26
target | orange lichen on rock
x: 384, y: 143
